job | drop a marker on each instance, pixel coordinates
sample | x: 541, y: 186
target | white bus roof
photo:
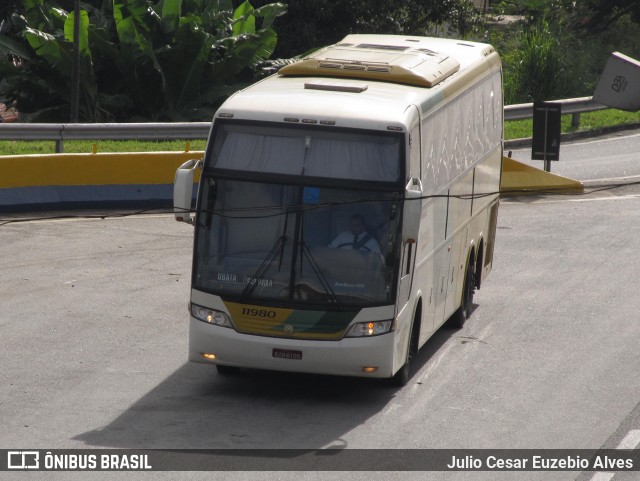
x: 366, y: 81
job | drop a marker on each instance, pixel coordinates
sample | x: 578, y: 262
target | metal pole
x: 575, y: 120
x: 547, y: 163
x: 75, y: 71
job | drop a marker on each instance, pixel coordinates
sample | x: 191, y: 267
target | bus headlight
x: 371, y: 328
x: 211, y: 316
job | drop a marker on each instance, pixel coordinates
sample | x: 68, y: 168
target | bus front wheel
x: 401, y: 377
x: 227, y: 370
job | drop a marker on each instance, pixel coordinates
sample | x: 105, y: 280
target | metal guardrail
x: 200, y: 130
x: 569, y: 106
x: 121, y: 131
x: 114, y: 131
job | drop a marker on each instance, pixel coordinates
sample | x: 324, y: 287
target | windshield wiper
x: 276, y: 251
x: 324, y: 282
x: 306, y: 252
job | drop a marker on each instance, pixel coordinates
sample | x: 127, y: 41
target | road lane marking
x: 589, y: 182
x: 614, y: 137
x: 562, y: 200
x: 630, y: 441
x: 602, y: 476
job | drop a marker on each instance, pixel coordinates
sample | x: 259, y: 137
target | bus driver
x: 356, y: 237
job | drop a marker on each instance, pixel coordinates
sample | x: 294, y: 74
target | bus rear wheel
x: 468, y: 289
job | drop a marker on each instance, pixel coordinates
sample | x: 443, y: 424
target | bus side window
x: 408, y: 258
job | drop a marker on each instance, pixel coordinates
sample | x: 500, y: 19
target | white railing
x: 200, y: 130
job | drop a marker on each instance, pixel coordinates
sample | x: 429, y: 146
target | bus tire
x: 402, y: 376
x: 464, y: 311
x: 227, y: 370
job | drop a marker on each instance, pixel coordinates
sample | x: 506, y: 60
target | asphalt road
x: 93, y: 344
x: 615, y: 156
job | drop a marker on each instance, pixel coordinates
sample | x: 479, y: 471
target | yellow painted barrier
x: 56, y: 178
x: 92, y: 169
x: 519, y: 179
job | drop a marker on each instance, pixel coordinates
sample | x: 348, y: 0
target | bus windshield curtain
x: 354, y: 159
x: 346, y: 157
x: 262, y: 153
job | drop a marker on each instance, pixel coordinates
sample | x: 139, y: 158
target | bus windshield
x: 293, y: 244
x: 306, y: 151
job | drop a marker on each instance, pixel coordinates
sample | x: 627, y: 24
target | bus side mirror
x: 412, y: 210
x: 183, y: 191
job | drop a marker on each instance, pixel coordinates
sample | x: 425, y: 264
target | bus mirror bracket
x: 412, y: 210
x: 183, y: 191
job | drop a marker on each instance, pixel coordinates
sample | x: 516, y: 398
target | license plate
x: 287, y: 354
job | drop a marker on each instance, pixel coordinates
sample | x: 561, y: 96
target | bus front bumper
x: 363, y: 356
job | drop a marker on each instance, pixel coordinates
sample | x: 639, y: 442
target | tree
x: 539, y: 72
x: 311, y: 24
x: 560, y: 48
x: 7, y: 7
x: 171, y: 60
x: 602, y: 14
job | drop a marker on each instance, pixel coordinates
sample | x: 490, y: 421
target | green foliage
x: 310, y: 24
x: 552, y: 52
x: 27, y: 147
x: 602, y: 14
x: 83, y: 33
x: 167, y: 61
x: 538, y: 71
x: 518, y: 129
x: 173, y: 60
x: 7, y: 7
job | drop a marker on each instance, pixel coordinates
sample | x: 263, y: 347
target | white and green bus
x: 395, y: 140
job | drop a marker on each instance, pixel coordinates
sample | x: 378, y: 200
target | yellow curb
x: 522, y: 179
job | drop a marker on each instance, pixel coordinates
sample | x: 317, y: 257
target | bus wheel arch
x: 468, y: 288
x: 402, y: 376
x: 478, y: 265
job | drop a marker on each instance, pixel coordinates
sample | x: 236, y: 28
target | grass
x: 515, y: 129
x: 26, y: 147
x: 518, y: 129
